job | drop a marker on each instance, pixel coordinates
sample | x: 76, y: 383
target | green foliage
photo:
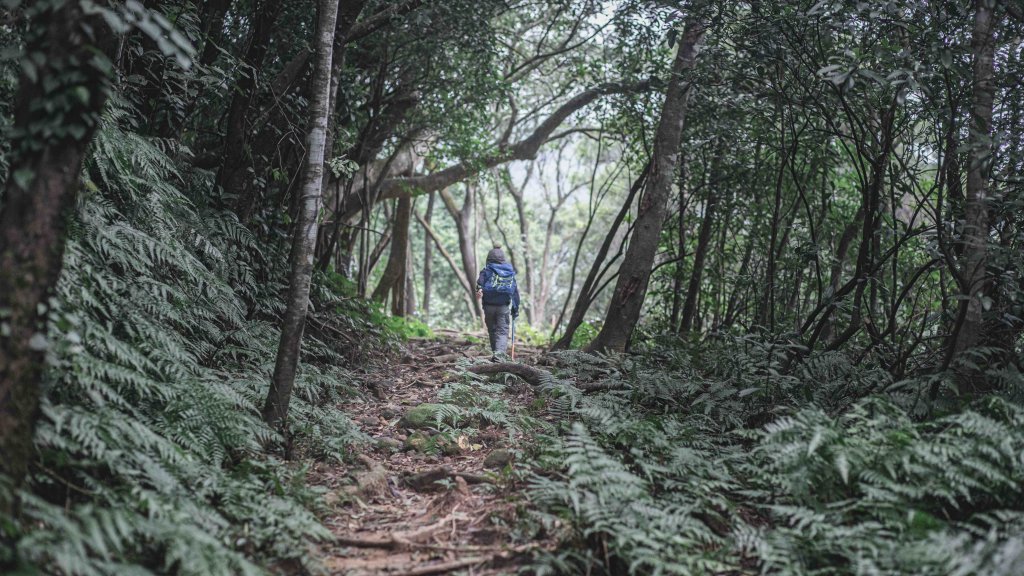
x: 585, y: 334
x: 151, y: 445
x: 714, y: 460
x: 531, y: 336
x: 407, y: 328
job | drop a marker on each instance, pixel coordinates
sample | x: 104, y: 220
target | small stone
x: 498, y: 459
x: 390, y: 412
x: 367, y: 420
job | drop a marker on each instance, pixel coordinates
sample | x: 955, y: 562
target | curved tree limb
x: 525, y: 149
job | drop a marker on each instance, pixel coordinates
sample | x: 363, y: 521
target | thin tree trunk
x: 463, y: 220
x: 410, y: 280
x: 731, y: 307
x: 275, y: 410
x: 427, y: 256
x: 590, y: 284
x: 976, y: 225
x: 635, y: 270
x: 836, y: 275
x: 524, y: 242
x: 42, y: 182
x: 677, y: 280
x: 696, y: 275
x: 393, y: 279
x: 467, y: 291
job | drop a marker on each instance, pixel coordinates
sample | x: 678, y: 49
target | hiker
x: 496, y: 289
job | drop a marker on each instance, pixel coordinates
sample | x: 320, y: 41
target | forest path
x: 420, y: 501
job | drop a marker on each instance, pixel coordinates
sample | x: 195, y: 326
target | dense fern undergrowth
x: 152, y: 456
x: 711, y: 460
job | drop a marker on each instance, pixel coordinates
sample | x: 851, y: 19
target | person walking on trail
x: 496, y: 289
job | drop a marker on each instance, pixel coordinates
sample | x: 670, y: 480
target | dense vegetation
x: 783, y: 239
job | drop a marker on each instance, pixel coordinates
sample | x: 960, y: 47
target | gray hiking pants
x: 497, y: 319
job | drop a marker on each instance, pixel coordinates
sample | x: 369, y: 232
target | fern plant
x: 715, y: 459
x: 151, y: 445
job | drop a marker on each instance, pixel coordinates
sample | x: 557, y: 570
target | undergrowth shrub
x: 717, y: 459
x: 151, y: 449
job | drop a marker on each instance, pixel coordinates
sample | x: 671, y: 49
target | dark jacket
x: 497, y: 299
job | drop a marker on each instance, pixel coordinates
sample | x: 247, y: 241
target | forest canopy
x: 770, y: 257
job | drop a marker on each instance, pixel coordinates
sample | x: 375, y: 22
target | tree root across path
x: 399, y: 540
x: 536, y: 376
x: 425, y: 481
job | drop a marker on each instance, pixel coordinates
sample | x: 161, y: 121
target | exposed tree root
x: 373, y: 482
x: 447, y: 566
x: 536, y: 376
x: 398, y: 540
x: 425, y: 481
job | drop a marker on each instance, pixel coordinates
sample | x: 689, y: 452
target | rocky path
x: 429, y: 498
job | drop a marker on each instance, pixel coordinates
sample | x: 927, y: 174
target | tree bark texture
x: 45, y: 163
x: 635, y: 270
x: 976, y: 217
x: 275, y: 410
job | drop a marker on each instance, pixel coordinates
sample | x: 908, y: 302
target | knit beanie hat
x: 496, y: 256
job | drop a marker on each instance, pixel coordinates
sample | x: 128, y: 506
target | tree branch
x: 525, y: 149
x: 380, y: 19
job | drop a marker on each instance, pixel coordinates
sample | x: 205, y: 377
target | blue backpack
x: 501, y: 284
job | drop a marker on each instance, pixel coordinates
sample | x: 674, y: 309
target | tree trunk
x: 393, y: 279
x: 463, y: 219
x: 524, y: 242
x: 677, y: 279
x: 427, y: 256
x: 213, y: 29
x: 43, y: 177
x: 467, y: 290
x: 635, y: 270
x: 976, y: 226
x: 233, y: 176
x: 275, y: 410
x: 410, y: 280
x: 703, y: 241
x: 587, y: 291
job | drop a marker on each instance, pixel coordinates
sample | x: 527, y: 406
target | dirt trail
x: 414, y: 512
